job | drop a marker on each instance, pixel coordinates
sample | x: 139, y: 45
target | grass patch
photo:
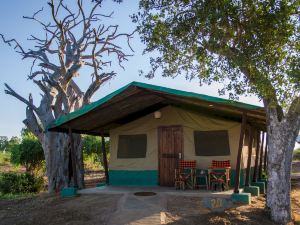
x: 6, y: 165
x: 296, y: 155
x: 11, y: 196
x: 5, y: 159
x: 92, y: 162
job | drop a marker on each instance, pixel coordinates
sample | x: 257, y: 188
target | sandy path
x: 138, y: 210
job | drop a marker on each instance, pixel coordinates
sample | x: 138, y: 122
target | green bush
x: 20, y: 183
x: 92, y: 152
x: 4, y: 158
x: 29, y: 153
x: 296, y: 155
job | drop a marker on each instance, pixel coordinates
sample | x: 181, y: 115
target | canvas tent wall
x: 144, y: 171
x: 136, y: 101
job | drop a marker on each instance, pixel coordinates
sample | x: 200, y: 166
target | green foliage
x: 91, y: 144
x: 3, y: 143
x: 28, y: 153
x: 11, y: 196
x: 92, y: 151
x: 92, y: 161
x: 296, y: 155
x: 12, y: 142
x: 15, y: 183
x: 4, y: 159
x: 249, y: 46
x: 6, y: 165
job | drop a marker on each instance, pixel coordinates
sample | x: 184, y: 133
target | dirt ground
x: 295, y: 194
x: 179, y: 214
x: 45, y: 209
x: 100, y: 208
x: 187, y: 212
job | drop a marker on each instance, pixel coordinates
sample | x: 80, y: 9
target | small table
x: 201, y: 175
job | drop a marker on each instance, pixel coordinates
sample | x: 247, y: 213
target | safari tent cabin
x: 151, y: 127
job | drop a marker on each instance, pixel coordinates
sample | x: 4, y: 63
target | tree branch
x: 29, y: 103
x: 32, y: 124
x: 95, y: 85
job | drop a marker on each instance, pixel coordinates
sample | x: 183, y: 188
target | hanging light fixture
x: 157, y: 114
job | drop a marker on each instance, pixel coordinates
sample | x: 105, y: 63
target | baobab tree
x: 72, y: 39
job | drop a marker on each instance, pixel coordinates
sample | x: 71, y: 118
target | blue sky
x: 14, y: 71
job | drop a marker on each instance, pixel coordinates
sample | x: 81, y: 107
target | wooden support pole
x: 73, y: 158
x: 266, y: 154
x: 104, y: 159
x: 247, y: 182
x: 239, y: 155
x: 261, y: 156
x: 255, y: 172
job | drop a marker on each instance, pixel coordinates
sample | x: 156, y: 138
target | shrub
x: 20, y: 183
x: 296, y: 155
x: 29, y: 153
x: 92, y: 151
x: 4, y: 159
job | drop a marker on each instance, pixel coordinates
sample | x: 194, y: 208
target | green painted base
x: 68, y: 192
x: 253, y: 190
x: 261, y: 185
x: 133, y: 177
x: 265, y: 181
x: 244, y: 198
x: 150, y: 178
x: 100, y: 184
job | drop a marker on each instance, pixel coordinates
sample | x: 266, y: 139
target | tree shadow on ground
x: 240, y: 214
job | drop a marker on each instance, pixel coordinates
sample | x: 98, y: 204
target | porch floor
x: 158, y: 190
x: 149, y: 210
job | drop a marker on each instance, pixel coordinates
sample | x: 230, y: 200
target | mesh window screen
x: 132, y: 146
x: 211, y: 143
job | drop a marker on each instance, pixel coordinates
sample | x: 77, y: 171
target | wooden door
x: 170, y: 146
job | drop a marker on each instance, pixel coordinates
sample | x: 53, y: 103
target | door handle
x: 179, y: 155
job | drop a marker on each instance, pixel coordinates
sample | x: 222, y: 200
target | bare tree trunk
x: 281, y: 142
x: 56, y: 149
x: 57, y: 58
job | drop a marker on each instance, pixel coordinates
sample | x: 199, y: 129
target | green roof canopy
x: 138, y: 99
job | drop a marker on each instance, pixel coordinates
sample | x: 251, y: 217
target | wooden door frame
x: 158, y: 146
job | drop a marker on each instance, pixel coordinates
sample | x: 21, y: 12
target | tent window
x: 211, y: 143
x: 132, y: 146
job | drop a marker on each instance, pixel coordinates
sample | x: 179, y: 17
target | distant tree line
x: 6, y: 144
x: 27, y: 151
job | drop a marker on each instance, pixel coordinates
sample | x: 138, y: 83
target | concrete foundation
x: 265, y: 181
x: 261, y: 185
x: 253, y: 190
x: 68, y: 192
x: 100, y: 184
x: 244, y: 198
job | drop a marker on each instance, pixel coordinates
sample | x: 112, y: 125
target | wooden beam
x: 239, y: 155
x: 261, y: 156
x: 104, y: 159
x: 247, y: 182
x: 266, y: 153
x: 255, y: 173
x: 73, y: 158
